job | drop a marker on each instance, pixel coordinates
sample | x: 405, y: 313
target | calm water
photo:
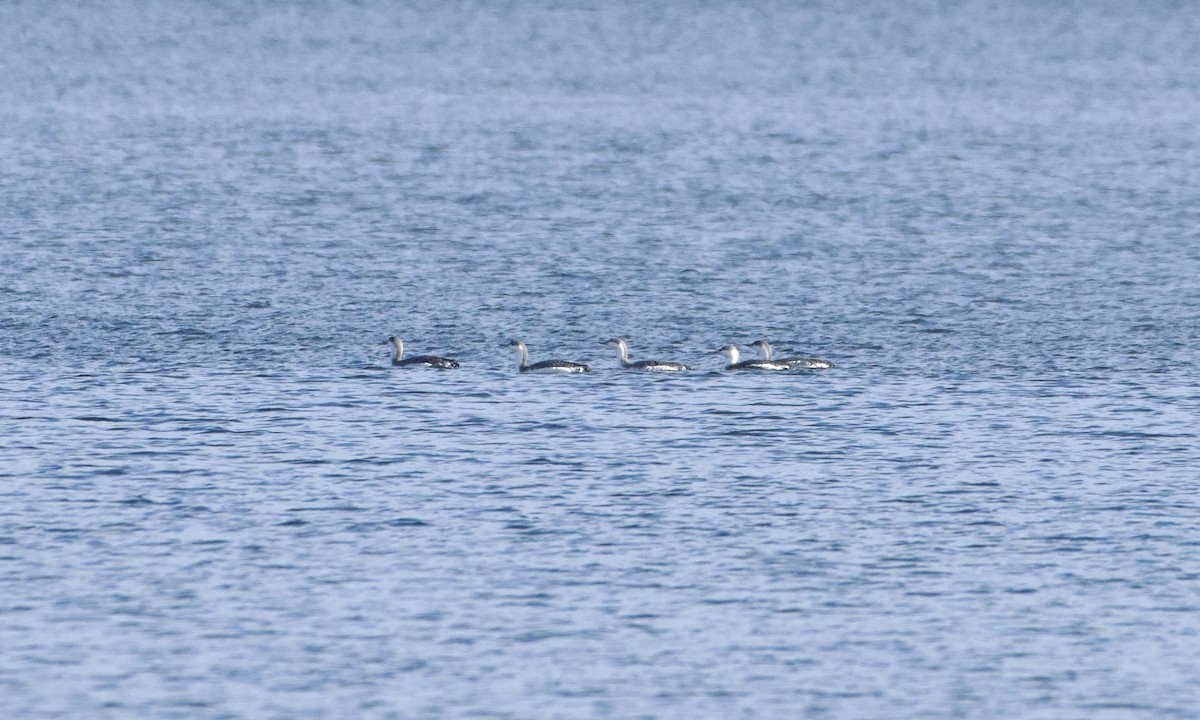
x: 218, y: 500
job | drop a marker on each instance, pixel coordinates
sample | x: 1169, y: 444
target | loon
x: 546, y: 366
x: 796, y: 363
x: 423, y: 360
x: 735, y: 362
x: 649, y: 365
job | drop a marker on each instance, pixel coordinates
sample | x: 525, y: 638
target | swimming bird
x: 796, y: 362
x: 546, y: 366
x: 650, y: 365
x: 736, y: 363
x: 424, y: 360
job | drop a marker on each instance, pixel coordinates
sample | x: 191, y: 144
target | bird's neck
x: 624, y: 352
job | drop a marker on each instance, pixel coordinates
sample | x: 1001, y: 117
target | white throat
x: 522, y: 354
x: 623, y: 351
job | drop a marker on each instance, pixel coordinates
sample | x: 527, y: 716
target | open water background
x: 218, y: 500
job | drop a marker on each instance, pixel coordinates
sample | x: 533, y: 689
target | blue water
x: 219, y: 500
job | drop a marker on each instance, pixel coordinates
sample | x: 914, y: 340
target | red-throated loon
x: 796, y: 362
x: 424, y: 360
x: 649, y: 365
x: 546, y: 366
x: 736, y: 363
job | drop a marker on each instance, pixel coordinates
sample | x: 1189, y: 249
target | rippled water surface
x: 219, y: 500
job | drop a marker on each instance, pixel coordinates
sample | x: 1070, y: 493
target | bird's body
x: 735, y: 361
x: 646, y: 365
x: 796, y: 362
x: 546, y: 366
x: 399, y: 360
